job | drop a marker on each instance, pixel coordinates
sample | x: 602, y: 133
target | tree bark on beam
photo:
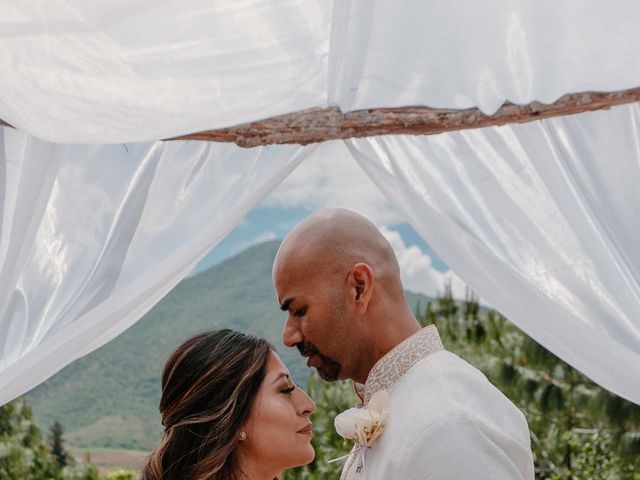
x: 319, y: 125
x: 322, y: 124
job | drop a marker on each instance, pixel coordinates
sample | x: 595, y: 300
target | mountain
x: 110, y: 397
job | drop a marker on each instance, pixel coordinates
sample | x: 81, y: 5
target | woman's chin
x: 312, y: 454
x: 307, y: 458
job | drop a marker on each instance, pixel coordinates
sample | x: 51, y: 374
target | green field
x: 109, y: 460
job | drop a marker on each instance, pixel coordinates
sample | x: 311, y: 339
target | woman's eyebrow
x: 283, y: 374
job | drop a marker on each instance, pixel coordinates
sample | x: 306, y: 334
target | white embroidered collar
x: 397, y: 361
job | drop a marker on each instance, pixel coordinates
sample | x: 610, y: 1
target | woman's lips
x: 306, y: 430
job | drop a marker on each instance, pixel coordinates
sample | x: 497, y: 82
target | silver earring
x: 243, y: 436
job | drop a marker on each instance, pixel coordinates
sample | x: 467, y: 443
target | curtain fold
x: 93, y: 236
x: 109, y: 71
x: 461, y: 54
x: 541, y: 220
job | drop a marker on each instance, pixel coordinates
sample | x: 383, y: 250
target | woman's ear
x: 361, y: 279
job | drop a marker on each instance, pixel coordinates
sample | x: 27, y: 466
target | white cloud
x: 417, y: 272
x: 262, y: 237
x: 330, y: 177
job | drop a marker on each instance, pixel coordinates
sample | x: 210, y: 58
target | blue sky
x: 331, y: 178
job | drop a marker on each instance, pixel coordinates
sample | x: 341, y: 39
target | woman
x: 230, y: 412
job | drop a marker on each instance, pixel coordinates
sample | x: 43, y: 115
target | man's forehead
x: 291, y: 263
x: 288, y: 281
x: 284, y: 274
x: 297, y: 281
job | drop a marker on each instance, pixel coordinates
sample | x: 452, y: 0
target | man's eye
x: 299, y: 313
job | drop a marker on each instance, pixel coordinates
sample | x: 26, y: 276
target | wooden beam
x: 319, y: 125
x: 322, y: 124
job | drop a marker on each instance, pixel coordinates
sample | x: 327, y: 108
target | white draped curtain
x: 93, y: 236
x: 107, y: 71
x: 541, y: 219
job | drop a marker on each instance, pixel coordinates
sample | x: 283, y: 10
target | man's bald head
x: 338, y: 279
x: 333, y: 240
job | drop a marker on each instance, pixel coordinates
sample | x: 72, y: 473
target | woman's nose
x: 307, y: 406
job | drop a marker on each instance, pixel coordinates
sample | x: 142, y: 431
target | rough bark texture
x: 319, y: 125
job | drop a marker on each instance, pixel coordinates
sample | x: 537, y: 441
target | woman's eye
x: 287, y: 391
x: 300, y: 313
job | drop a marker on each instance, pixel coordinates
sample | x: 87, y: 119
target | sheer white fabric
x: 460, y: 53
x: 93, y: 237
x: 541, y: 220
x: 107, y: 71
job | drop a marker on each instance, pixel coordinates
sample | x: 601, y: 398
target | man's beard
x: 329, y: 369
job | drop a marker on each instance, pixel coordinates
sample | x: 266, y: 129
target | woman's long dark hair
x: 208, y: 387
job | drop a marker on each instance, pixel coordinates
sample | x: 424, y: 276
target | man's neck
x: 383, y: 340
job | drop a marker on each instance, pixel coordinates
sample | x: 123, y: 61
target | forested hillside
x: 110, y: 398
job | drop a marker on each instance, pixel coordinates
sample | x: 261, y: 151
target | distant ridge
x: 110, y: 397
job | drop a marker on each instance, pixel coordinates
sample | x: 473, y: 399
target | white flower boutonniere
x: 364, y: 425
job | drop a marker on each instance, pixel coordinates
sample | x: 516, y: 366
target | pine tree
x: 57, y: 444
x: 25, y: 455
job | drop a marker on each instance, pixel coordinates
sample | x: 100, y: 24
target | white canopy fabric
x: 109, y: 71
x: 541, y: 219
x: 93, y: 237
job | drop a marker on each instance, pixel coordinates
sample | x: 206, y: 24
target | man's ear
x: 361, y: 281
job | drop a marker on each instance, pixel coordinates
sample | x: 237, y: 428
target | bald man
x: 339, y: 280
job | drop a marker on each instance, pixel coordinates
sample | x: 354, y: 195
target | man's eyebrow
x: 283, y: 374
x: 285, y: 305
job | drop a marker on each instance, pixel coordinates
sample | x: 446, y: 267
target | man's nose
x: 291, y: 335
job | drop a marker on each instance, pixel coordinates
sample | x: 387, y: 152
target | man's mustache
x: 329, y: 370
x: 307, y: 349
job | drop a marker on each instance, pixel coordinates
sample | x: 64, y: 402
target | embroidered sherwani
x: 446, y: 421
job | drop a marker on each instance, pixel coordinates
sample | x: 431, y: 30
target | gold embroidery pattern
x: 358, y: 389
x: 404, y: 356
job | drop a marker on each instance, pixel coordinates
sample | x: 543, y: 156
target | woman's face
x: 278, y: 432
